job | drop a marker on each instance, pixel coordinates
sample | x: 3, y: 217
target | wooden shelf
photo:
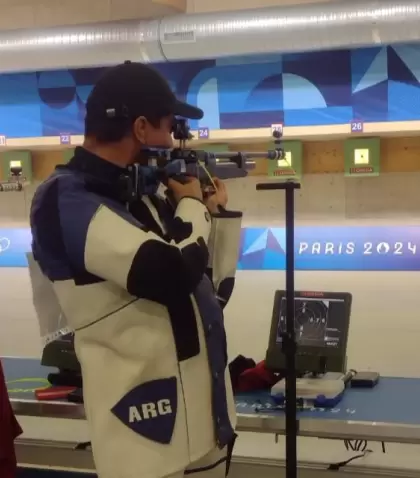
x: 304, y: 133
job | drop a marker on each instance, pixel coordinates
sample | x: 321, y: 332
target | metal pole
x: 289, y: 338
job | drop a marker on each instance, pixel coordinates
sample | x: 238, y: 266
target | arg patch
x: 150, y: 409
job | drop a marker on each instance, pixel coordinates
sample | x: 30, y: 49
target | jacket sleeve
x: 106, y: 241
x: 224, y: 246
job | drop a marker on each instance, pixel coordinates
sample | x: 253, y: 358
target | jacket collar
x: 92, y: 165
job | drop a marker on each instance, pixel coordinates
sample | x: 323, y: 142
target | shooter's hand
x: 190, y: 187
x: 218, y: 198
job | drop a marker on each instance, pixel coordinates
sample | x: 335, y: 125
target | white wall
x: 385, y: 304
x: 17, y: 14
x: 31, y: 14
x: 18, y: 324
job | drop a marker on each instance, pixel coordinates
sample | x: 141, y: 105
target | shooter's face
x: 154, y: 135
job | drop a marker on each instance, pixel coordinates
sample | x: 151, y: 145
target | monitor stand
x: 318, y: 391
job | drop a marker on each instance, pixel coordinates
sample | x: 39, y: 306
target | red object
x: 9, y: 430
x: 53, y: 393
x: 257, y: 378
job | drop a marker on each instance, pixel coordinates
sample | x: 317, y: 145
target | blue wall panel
x: 371, y: 85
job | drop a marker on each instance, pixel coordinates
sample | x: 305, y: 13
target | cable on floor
x: 340, y: 464
x: 360, y: 446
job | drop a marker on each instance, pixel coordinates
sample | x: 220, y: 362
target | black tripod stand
x: 289, y: 338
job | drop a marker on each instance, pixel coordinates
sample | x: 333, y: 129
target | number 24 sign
x: 203, y: 133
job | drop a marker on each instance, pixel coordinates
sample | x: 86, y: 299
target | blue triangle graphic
x: 399, y: 71
x: 377, y: 72
x: 273, y: 243
x: 258, y: 245
x: 250, y: 235
x: 410, y: 57
x: 280, y: 234
x: 361, y: 59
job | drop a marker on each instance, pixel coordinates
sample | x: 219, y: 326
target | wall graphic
x: 316, y: 249
x: 320, y: 88
x: 333, y: 249
x: 14, y: 244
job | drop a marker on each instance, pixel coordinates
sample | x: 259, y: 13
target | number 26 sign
x: 356, y: 126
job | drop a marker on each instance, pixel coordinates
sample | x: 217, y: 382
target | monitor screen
x: 321, y: 322
x: 318, y: 322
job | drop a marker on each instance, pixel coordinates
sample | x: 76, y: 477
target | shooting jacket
x: 144, y: 289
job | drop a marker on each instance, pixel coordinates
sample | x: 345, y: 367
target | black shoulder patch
x: 180, y: 230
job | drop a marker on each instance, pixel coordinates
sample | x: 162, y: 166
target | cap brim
x: 187, y: 111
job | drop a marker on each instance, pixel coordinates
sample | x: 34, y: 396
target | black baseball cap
x: 133, y: 89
